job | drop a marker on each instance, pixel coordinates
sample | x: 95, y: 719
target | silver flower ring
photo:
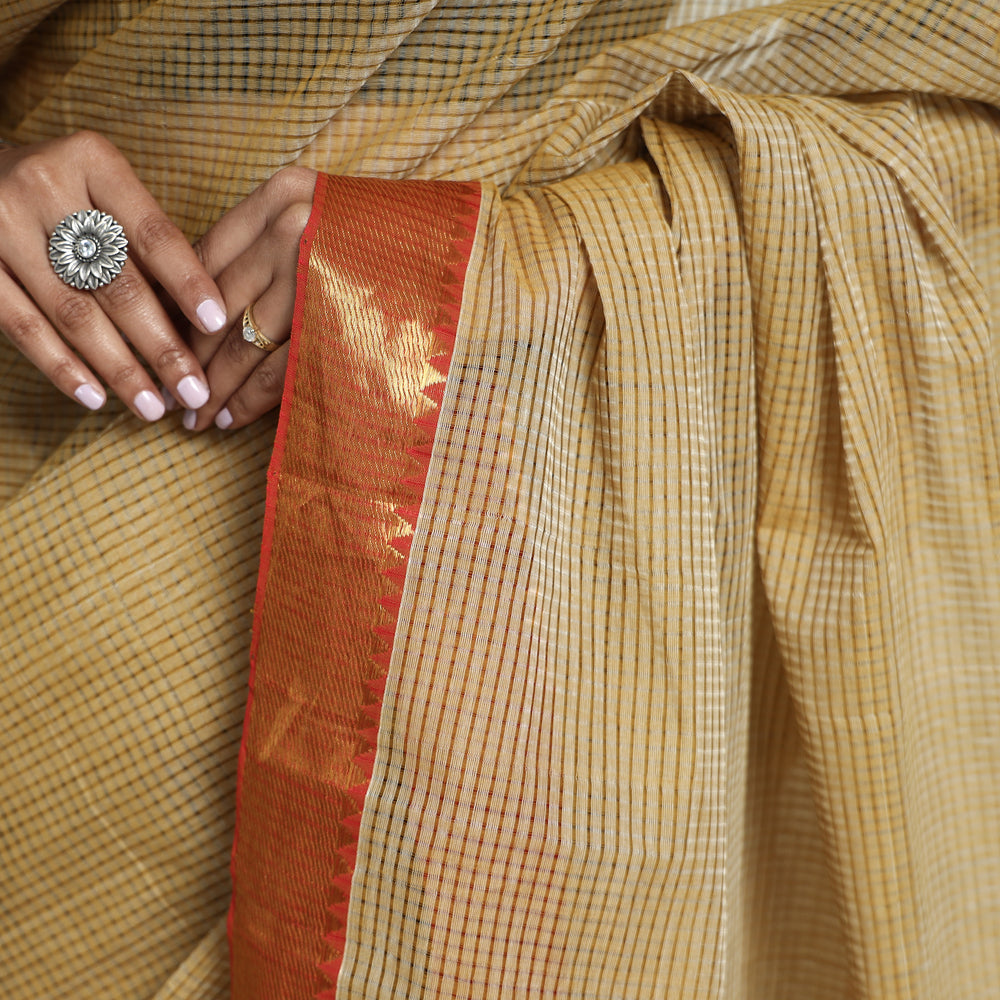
x: 88, y: 249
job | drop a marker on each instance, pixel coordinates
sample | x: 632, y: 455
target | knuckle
x: 294, y: 182
x: 73, y: 310
x: 236, y: 349
x: 91, y: 143
x: 125, y: 376
x: 238, y: 409
x: 191, y: 286
x: 267, y: 381
x: 154, y: 233
x: 36, y: 175
x: 125, y: 290
x: 292, y: 221
x: 171, y: 358
x: 23, y: 329
x: 63, y: 373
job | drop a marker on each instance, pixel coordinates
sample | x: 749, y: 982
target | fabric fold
x: 728, y: 409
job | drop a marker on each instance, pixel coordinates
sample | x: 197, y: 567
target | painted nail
x: 169, y: 403
x: 192, y: 391
x: 90, y: 395
x: 149, y: 405
x: 212, y: 315
x: 223, y: 419
x: 190, y: 419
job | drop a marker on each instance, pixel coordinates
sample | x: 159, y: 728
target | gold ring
x: 252, y: 333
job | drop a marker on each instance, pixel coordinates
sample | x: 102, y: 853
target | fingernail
x: 223, y: 419
x: 212, y: 315
x: 193, y: 392
x: 90, y: 396
x: 169, y: 403
x: 149, y: 405
x: 190, y: 419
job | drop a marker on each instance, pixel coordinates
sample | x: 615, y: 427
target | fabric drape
x: 692, y: 683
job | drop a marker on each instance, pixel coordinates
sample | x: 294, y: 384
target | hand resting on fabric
x: 74, y: 336
x: 252, y: 252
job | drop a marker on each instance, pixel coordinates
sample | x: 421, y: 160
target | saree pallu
x: 627, y: 622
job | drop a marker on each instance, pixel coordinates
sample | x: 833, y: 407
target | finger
x: 154, y: 239
x: 237, y: 360
x: 78, y: 317
x: 140, y: 316
x: 85, y: 320
x: 30, y: 332
x: 241, y: 283
x: 246, y: 223
x: 260, y: 393
x: 270, y: 260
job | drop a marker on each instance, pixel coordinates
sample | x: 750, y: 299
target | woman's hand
x: 71, y: 335
x: 252, y: 252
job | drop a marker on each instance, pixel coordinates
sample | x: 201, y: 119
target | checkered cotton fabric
x: 694, y: 682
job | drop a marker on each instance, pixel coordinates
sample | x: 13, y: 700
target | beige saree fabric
x: 715, y: 712
x: 714, y: 501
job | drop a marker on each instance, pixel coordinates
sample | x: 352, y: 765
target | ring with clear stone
x: 253, y: 334
x: 88, y: 249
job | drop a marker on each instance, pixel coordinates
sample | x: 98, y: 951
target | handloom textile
x: 646, y: 441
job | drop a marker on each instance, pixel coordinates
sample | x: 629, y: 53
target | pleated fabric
x: 693, y: 686
x: 684, y: 610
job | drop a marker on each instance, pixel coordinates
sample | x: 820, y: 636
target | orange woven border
x: 381, y: 275
x: 273, y: 470
x: 466, y: 208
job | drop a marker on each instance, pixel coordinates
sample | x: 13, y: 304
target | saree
x: 627, y: 613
